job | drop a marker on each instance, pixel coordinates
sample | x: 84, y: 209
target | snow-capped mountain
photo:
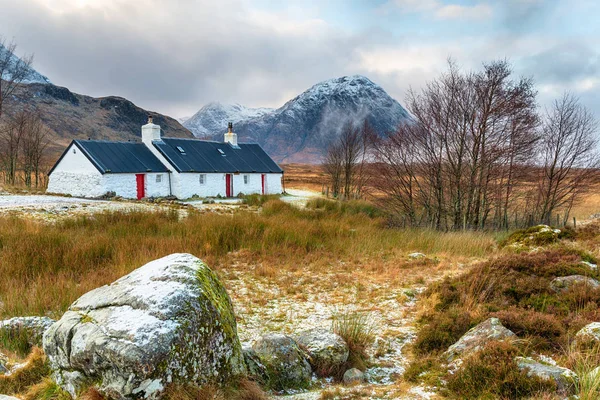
x: 213, y: 117
x: 302, y: 128
x: 32, y: 76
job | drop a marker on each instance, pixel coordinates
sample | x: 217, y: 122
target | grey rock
x: 564, y: 377
x: 477, y: 337
x: 256, y: 369
x: 353, y: 376
x: 4, y: 397
x: 168, y: 321
x: 563, y: 283
x: 32, y: 327
x: 327, y: 351
x: 286, y: 364
x: 416, y: 256
x: 589, y: 334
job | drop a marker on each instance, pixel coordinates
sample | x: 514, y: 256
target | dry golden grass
x: 33, y: 369
x: 55, y: 264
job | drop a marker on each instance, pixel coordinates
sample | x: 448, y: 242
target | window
x: 74, y: 150
x: 181, y: 150
x: 158, y: 178
x: 246, y: 179
x: 221, y: 152
x: 202, y: 179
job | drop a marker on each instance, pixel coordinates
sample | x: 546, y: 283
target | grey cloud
x: 193, y: 54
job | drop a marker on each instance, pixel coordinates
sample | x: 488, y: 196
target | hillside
x: 301, y: 129
x: 71, y: 116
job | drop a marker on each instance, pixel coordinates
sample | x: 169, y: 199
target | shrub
x: 443, y: 330
x: 357, y: 331
x: 492, y: 373
x: 545, y: 328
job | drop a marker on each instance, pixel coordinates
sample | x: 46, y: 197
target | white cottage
x: 160, y: 167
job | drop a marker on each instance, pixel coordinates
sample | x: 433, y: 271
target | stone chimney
x: 231, y: 137
x: 150, y: 132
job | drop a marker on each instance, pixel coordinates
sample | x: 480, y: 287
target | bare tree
x: 333, y: 166
x: 454, y: 165
x: 13, y: 70
x: 11, y: 137
x: 34, y: 144
x: 569, y: 157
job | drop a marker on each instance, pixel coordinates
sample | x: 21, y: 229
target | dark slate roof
x: 118, y: 157
x: 204, y: 156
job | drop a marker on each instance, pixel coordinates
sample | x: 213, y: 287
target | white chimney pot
x: 150, y: 132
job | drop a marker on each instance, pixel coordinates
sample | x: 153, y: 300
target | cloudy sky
x: 173, y: 56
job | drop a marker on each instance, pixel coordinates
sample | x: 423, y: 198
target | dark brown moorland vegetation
x: 514, y: 287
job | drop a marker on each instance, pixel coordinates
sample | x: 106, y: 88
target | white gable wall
x: 76, y: 175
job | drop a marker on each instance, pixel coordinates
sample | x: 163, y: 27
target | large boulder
x: 168, y: 321
x: 286, y: 364
x: 30, y: 328
x: 476, y: 338
x: 564, y: 283
x: 327, y: 351
x: 564, y: 378
x: 588, y: 336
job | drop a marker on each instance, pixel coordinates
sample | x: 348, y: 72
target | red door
x: 141, y: 191
x: 228, y: 185
x: 262, y: 177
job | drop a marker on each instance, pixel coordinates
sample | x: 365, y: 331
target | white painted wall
x: 273, y: 184
x: 125, y: 185
x: 188, y: 185
x: 76, y: 175
x: 78, y: 184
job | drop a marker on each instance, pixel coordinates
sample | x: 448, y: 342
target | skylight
x: 181, y: 150
x: 221, y: 151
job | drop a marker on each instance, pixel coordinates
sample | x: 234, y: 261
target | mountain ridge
x: 301, y: 129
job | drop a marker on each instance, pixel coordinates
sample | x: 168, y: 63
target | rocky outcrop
x: 327, y: 351
x: 563, y: 377
x: 286, y: 364
x: 563, y: 283
x: 353, y: 376
x: 589, y: 335
x: 32, y: 328
x: 476, y: 338
x: 168, y: 321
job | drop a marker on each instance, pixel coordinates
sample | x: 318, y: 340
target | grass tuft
x: 357, y: 330
x: 34, y: 369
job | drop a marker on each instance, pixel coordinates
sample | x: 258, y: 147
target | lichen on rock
x: 169, y: 321
x: 476, y: 338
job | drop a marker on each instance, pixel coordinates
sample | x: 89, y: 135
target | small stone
x: 563, y: 283
x: 476, y: 338
x: 590, y: 265
x: 287, y: 366
x: 416, y: 256
x: 327, y: 350
x: 353, y: 376
x: 5, y: 397
x: 563, y: 377
x: 588, y: 335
